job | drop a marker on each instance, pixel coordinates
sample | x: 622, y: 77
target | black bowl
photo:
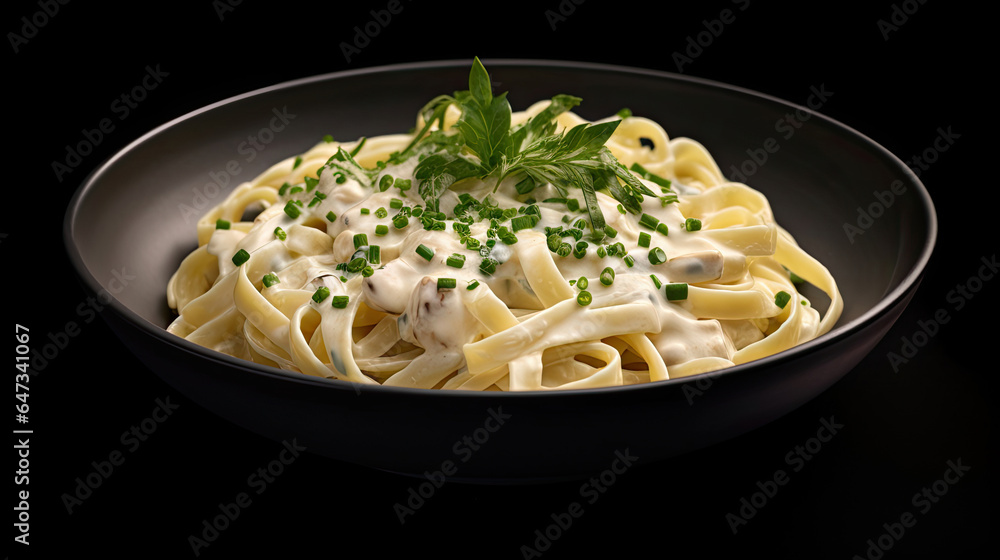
x: 828, y: 185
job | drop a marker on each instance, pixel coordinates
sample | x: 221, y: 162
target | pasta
x: 360, y: 268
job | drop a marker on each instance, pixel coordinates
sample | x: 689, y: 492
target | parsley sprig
x: 483, y: 144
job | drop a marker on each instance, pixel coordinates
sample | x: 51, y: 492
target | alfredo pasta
x: 543, y: 252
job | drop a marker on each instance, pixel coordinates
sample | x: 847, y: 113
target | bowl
x: 847, y: 200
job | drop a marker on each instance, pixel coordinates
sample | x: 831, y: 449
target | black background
x: 900, y: 427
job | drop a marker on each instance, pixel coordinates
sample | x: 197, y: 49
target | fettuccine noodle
x: 299, y: 289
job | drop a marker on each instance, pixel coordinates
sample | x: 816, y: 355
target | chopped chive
x: 402, y: 184
x: 648, y: 221
x: 221, y: 224
x: 280, y: 233
x: 328, y: 138
x: 525, y: 186
x: 241, y: 257
x: 356, y: 264
x: 456, y: 260
x: 340, y: 302
x: 624, y: 112
x: 416, y: 212
x: 473, y: 285
x: 384, y: 183
x: 608, y: 276
x: 426, y: 252
x: 657, y: 256
x: 488, y: 265
x: 676, y: 292
x: 781, y: 299
x: 522, y: 222
x: 365, y: 211
x: 320, y: 294
x: 692, y: 224
x: 662, y: 228
x: 381, y: 213
x: 610, y: 231
x: 572, y: 204
x: 564, y: 250
x: 330, y: 216
x: 582, y: 283
x: 298, y: 162
x: 400, y: 221
x: 629, y: 261
x: 292, y: 209
x: 295, y: 190
x: 644, y: 239
x: 367, y: 271
x: 621, y: 209
x: 381, y: 230
x: 553, y: 241
x: 601, y: 251
x: 374, y: 254
x: 360, y: 239
x: 584, y: 298
x: 472, y: 244
x: 395, y: 203
x: 311, y: 183
x: 283, y: 189
x: 656, y: 281
x: 446, y: 283
x: 270, y: 279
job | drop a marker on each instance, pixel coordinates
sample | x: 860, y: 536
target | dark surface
x: 902, y: 422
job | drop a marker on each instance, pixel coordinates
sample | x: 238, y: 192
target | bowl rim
x: 837, y: 333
